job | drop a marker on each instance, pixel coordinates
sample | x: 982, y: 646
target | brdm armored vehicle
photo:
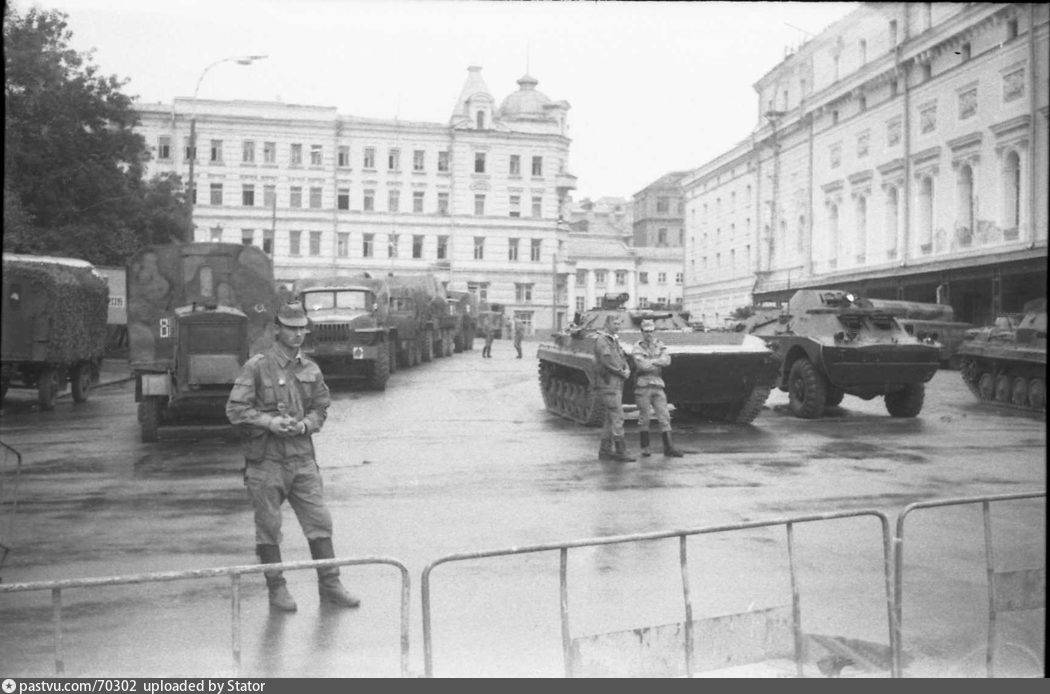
x: 831, y: 343
x: 1006, y: 363
x: 714, y: 375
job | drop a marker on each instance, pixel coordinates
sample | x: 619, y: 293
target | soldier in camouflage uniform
x: 278, y: 401
x: 650, y: 356
x: 614, y: 371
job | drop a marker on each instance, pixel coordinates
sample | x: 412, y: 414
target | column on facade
x: 632, y: 286
x: 590, y: 290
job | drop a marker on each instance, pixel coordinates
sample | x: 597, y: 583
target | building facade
x: 477, y: 201
x: 901, y: 153
x: 659, y: 211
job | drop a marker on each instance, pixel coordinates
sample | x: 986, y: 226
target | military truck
x: 464, y: 305
x: 438, y: 320
x: 350, y: 335
x: 830, y: 343
x: 722, y: 376
x: 54, y: 326
x: 196, y: 312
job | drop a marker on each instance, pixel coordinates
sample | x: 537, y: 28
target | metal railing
x: 234, y: 573
x: 898, y: 564
x: 564, y: 547
x: 8, y: 497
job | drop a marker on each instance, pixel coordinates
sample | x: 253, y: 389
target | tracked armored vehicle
x: 831, y: 343
x: 721, y: 376
x: 1006, y: 363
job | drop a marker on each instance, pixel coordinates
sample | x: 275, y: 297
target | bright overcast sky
x: 653, y: 87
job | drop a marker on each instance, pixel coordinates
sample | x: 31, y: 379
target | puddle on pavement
x: 859, y: 450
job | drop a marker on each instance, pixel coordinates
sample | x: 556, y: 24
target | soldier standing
x: 278, y: 401
x: 650, y: 356
x: 614, y: 371
x: 490, y: 334
x: 519, y: 333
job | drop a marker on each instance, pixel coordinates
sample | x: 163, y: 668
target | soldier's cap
x: 291, y: 316
x: 648, y: 325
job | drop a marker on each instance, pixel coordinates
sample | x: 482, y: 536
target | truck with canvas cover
x: 830, y: 343
x: 1006, y: 362
x: 438, y: 318
x: 54, y: 326
x: 196, y: 312
x: 465, y: 307
x: 722, y: 376
x: 349, y: 334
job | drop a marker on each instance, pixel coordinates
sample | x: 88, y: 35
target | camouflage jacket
x: 612, y: 360
x: 649, y: 359
x: 271, y: 384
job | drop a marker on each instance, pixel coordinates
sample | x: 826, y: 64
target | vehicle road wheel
x: 81, y: 382
x: 807, y: 391
x: 906, y: 402
x: 1019, y: 392
x: 834, y: 396
x: 1037, y: 393
x: 380, y: 371
x: 47, y: 388
x: 986, y: 386
x: 1003, y: 386
x: 149, y: 418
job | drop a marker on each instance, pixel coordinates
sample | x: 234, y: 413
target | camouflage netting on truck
x: 64, y: 305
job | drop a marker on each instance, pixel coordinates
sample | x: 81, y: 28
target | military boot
x: 280, y: 598
x: 620, y: 451
x: 669, y: 450
x: 643, y: 438
x: 605, y: 448
x: 329, y: 586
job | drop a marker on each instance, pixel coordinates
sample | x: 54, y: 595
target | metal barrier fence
x: 8, y: 496
x: 1028, y: 586
x: 234, y: 572
x: 564, y: 547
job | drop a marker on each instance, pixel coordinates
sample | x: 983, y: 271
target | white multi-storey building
x: 901, y: 153
x: 476, y: 201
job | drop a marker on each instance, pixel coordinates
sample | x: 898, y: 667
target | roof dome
x: 527, y: 102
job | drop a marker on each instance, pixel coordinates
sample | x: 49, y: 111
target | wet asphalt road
x: 459, y: 455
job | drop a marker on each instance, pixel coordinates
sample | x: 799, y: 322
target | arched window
x: 926, y: 214
x: 861, y: 239
x: 964, y: 197
x: 892, y: 215
x: 481, y: 120
x: 1011, y: 191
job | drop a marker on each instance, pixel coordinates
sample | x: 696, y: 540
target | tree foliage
x: 73, y: 162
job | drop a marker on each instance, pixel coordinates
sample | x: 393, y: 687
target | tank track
x: 972, y: 371
x: 575, y: 401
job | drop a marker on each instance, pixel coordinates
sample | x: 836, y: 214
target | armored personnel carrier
x: 1006, y: 363
x: 714, y: 375
x: 830, y: 343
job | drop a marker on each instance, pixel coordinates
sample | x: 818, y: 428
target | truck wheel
x: 47, y: 388
x: 906, y: 402
x: 834, y: 396
x: 428, y: 346
x: 380, y: 372
x: 149, y: 418
x: 807, y: 392
x: 80, y: 380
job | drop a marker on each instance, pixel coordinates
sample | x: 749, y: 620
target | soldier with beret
x: 279, y: 401
x: 650, y: 356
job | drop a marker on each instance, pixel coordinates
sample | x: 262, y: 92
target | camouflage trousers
x: 269, y: 483
x: 649, y: 399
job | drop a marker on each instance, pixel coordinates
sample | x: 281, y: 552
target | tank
x: 831, y: 343
x: 721, y: 376
x: 1006, y: 363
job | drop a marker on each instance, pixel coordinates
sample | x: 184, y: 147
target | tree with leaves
x: 73, y: 163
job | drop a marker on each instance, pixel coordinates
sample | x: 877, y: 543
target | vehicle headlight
x: 359, y: 352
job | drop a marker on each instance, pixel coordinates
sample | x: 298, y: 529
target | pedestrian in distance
x: 614, y: 372
x: 489, y: 331
x: 650, y: 356
x: 519, y: 334
x: 278, y: 402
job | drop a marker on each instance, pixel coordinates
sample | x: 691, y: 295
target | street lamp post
x: 240, y: 60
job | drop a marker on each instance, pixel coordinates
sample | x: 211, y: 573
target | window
x: 369, y: 160
x: 269, y: 153
x: 680, y: 277
x: 315, y: 198
x: 480, y: 289
x: 189, y: 152
x: 964, y: 198
x: 480, y: 120
x: 248, y: 195
x: 664, y: 204
x: 443, y: 203
x: 861, y: 223
x: 834, y: 117
x: 479, y: 248
x: 294, y: 241
x: 928, y: 119
x: 479, y: 162
x: 862, y: 103
x: 893, y: 132
x: 534, y: 250
x: 927, y: 72
x: 342, y: 199
x: 926, y: 214
x: 393, y: 159
x: 418, y: 160
x: 863, y: 46
x: 599, y: 277
x: 523, y: 292
x: 1011, y: 183
x: 863, y: 143
x: 443, y: 161
x: 621, y: 278
x: 368, y: 203
x: 295, y: 155
x: 343, y: 156
x: 368, y: 245
x: 515, y: 165
x: 316, y: 155
x: 661, y: 278
x: 417, y: 246
x: 581, y: 278
x: 247, y: 237
x: 392, y: 242
x: 512, y: 249
x: 643, y: 278
x: 216, y: 194
x: 537, y: 206
x: 643, y: 302
x: 661, y: 237
x: 893, y: 32
x: 964, y: 52
x: 894, y: 88
x: 1011, y: 30
x: 479, y: 204
x: 442, y: 247
x: 268, y: 242
x: 342, y: 244
x: 836, y: 155
x: 248, y: 151
x: 270, y: 196
x: 295, y: 197
x: 393, y: 200
x: 164, y: 147
x: 417, y: 200
x: 216, y: 151
x: 1013, y: 85
x: 515, y: 205
x: 537, y: 166
x: 892, y: 214
x: 967, y: 103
